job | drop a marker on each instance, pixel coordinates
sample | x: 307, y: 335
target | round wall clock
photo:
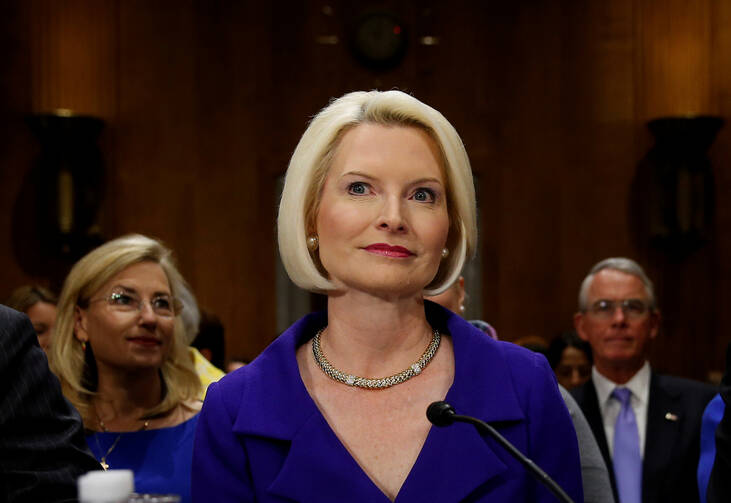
x: 378, y: 40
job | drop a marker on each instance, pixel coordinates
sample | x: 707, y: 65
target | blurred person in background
x: 534, y: 343
x: 647, y: 424
x: 191, y: 317
x: 122, y: 357
x: 454, y: 298
x: 236, y: 363
x: 570, y: 358
x: 39, y: 304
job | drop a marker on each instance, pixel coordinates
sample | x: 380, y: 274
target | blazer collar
x: 277, y: 405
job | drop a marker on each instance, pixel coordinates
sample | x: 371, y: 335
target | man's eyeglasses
x: 124, y: 301
x: 632, y: 308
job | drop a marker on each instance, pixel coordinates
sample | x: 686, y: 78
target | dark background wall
x: 205, y: 100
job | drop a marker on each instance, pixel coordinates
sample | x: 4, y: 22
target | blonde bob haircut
x: 75, y: 367
x: 313, y: 156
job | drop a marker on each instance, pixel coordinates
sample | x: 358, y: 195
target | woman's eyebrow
x: 427, y: 180
x: 357, y: 173
x: 128, y: 289
x: 414, y: 182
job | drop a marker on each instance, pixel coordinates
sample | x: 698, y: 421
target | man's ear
x: 579, y: 319
x: 80, y: 324
x: 655, y: 320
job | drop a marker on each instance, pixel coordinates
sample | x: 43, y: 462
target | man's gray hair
x: 621, y: 264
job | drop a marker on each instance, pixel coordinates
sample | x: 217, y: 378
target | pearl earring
x: 312, y: 243
x: 445, y: 253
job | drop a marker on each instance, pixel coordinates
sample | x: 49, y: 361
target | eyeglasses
x: 124, y: 301
x: 632, y: 308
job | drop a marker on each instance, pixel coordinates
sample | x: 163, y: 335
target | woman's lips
x: 388, y: 250
x: 145, y: 341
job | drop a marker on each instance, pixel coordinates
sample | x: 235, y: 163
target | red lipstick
x: 145, y: 341
x: 389, y: 251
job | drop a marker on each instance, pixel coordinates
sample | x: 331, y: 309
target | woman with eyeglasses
x: 120, y: 353
x: 378, y: 210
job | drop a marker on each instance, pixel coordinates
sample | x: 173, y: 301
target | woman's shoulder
x: 278, y: 358
x: 486, y: 348
x: 274, y: 373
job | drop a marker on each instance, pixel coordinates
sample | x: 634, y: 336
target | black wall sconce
x: 673, y: 190
x: 55, y: 221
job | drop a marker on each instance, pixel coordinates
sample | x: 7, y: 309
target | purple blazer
x: 261, y: 437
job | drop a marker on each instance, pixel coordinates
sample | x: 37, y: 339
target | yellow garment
x: 206, y: 371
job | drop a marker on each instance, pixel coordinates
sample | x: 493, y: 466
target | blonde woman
x: 120, y: 353
x: 378, y: 210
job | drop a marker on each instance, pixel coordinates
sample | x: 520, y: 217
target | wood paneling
x: 16, y: 142
x: 721, y: 158
x: 205, y: 100
x: 674, y: 44
x: 73, y: 53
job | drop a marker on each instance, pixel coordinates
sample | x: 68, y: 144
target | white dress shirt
x: 639, y: 385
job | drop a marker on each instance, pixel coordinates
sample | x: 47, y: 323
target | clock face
x: 379, y: 40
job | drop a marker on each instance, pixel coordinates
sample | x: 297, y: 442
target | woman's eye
x: 121, y: 299
x: 424, y: 195
x: 161, y: 303
x: 358, y: 188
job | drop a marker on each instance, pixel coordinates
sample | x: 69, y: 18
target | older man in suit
x: 647, y: 425
x: 42, y: 446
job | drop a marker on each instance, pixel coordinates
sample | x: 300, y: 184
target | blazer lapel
x: 664, y: 418
x: 457, y: 453
x: 318, y: 468
x: 279, y: 409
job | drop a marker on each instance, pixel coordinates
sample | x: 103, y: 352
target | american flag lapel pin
x: 670, y: 416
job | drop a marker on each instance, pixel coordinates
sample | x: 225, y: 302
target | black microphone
x: 443, y: 414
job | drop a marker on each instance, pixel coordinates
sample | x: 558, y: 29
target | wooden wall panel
x: 674, y: 79
x: 73, y: 53
x: 598, y: 136
x: 205, y: 101
x: 152, y: 164
x: 528, y: 154
x: 721, y: 158
x: 17, y: 146
x: 674, y: 38
x: 233, y: 192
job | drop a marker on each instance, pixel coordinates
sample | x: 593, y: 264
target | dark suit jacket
x: 672, y: 446
x: 42, y: 446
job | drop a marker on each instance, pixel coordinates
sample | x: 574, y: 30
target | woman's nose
x: 392, y: 216
x: 147, y: 313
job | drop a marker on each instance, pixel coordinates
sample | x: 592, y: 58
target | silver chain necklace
x: 380, y: 383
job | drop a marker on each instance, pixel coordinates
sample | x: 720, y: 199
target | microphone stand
x: 443, y: 414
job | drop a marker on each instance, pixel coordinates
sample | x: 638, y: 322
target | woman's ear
x: 80, y: 324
